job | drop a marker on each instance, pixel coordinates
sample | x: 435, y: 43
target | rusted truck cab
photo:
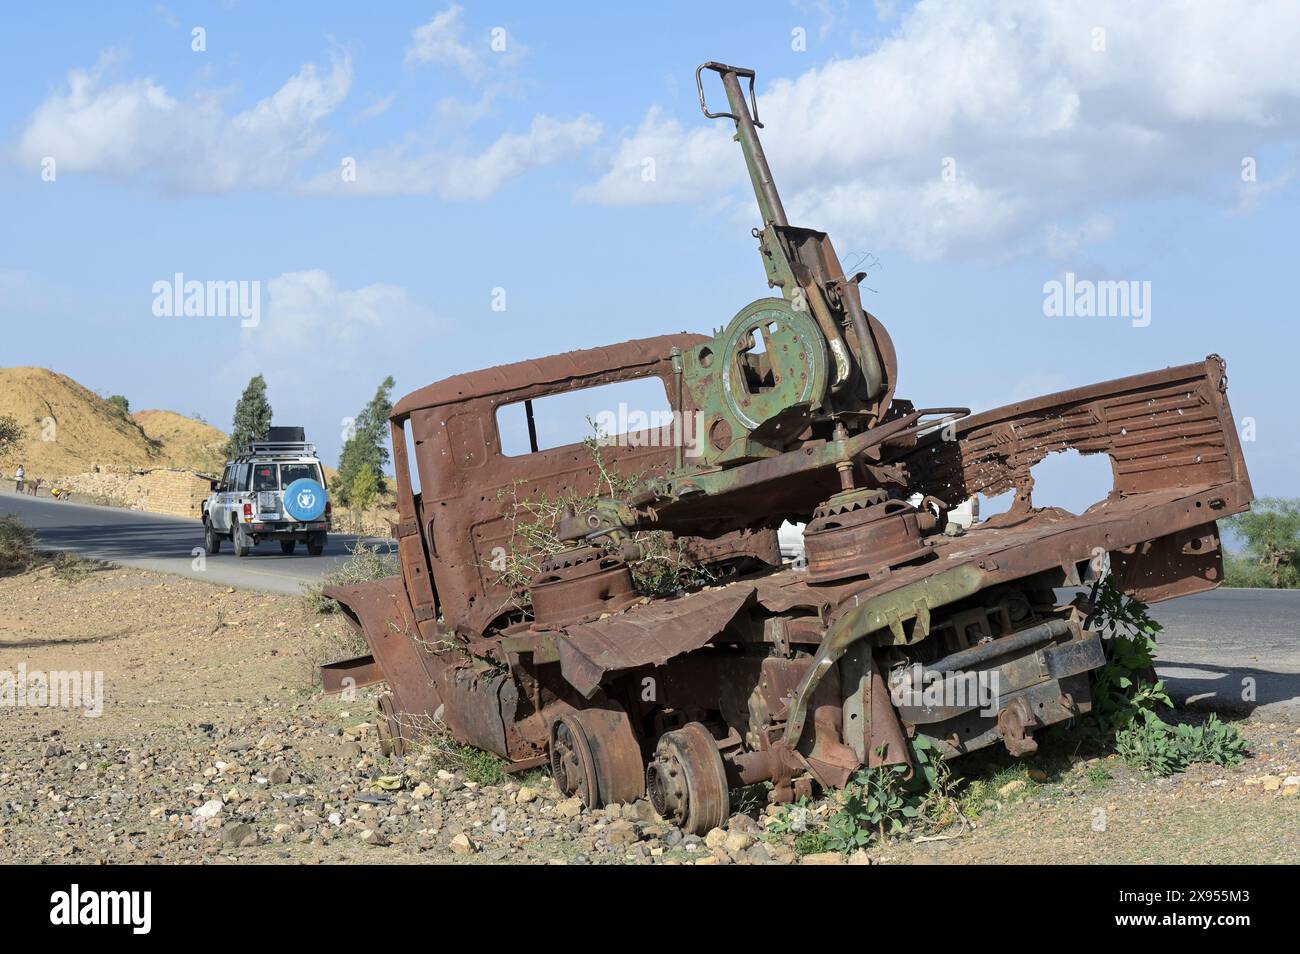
x: 438, y: 631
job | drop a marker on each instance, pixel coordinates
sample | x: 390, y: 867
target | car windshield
x: 291, y: 472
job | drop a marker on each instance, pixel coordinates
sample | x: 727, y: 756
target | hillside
x: 70, y: 429
x: 186, y: 442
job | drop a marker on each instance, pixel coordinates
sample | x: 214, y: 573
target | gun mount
x: 792, y: 367
x: 792, y: 675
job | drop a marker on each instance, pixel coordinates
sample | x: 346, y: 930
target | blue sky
x: 970, y: 152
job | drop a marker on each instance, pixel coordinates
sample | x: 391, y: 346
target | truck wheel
x: 686, y: 780
x: 316, y: 544
x: 286, y: 546
x: 243, y: 542
x: 211, y: 539
x: 595, y: 757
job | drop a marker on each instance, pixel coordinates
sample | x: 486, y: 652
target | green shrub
x: 17, y: 546
x: 1157, y: 747
x: 1126, y: 701
x: 882, y: 802
x: 1271, y: 530
x: 366, y: 563
x: 1244, y: 572
x: 812, y: 843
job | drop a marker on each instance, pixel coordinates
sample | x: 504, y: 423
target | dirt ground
x: 214, y: 746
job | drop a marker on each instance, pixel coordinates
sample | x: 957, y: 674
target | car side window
x: 226, y: 475
x: 241, y: 477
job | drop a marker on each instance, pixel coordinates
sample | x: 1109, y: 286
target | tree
x: 11, y: 435
x: 366, y: 450
x: 361, y: 494
x: 252, y: 416
x: 122, y: 404
x: 1271, y: 529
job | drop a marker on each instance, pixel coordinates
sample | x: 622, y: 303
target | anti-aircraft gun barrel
x: 747, y: 122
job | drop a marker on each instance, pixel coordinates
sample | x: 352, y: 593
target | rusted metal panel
x: 1177, y: 564
x: 350, y: 674
x: 382, y: 612
x: 1162, y: 430
x: 514, y: 382
x: 647, y: 635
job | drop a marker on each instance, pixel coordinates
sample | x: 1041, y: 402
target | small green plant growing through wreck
x: 1127, y: 697
x: 878, y: 804
x: 434, y: 746
x: 664, y: 569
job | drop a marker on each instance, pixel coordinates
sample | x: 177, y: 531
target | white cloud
x: 311, y: 330
x: 378, y: 107
x: 1044, y: 130
x: 401, y: 171
x: 167, y: 16
x: 490, y: 62
x: 136, y: 128
x: 664, y: 162
x: 441, y: 42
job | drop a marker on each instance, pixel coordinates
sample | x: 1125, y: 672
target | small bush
x: 1162, y: 749
x: 1242, y: 571
x: 17, y: 546
x: 366, y: 563
x: 72, y: 569
x: 812, y: 843
x: 437, y: 746
x: 880, y: 803
x: 1126, y: 702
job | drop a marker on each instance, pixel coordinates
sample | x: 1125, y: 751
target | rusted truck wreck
x: 793, y: 675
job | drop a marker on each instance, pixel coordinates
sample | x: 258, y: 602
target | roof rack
x: 277, y: 449
x: 280, y: 441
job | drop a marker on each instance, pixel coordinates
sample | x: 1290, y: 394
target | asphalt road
x: 169, y: 544
x: 1233, y: 650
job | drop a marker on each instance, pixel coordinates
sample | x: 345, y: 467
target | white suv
x: 274, y: 489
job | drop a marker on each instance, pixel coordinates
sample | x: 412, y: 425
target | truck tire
x: 286, y: 546
x: 243, y: 543
x: 316, y: 543
x: 211, y: 539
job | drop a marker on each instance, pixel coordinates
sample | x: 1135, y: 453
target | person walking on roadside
x: 20, y: 476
